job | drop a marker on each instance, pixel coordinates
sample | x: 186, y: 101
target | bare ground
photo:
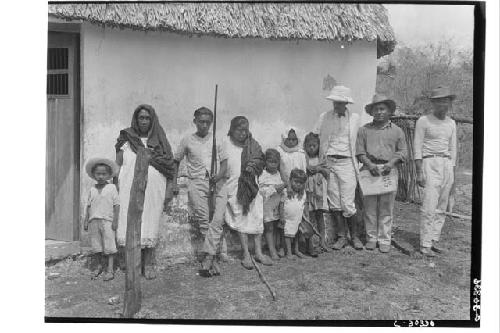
x: 341, y: 285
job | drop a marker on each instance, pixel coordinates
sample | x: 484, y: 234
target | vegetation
x: 410, y: 73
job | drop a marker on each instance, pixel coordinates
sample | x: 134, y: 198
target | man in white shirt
x: 435, y: 145
x: 197, y: 149
x: 337, y: 130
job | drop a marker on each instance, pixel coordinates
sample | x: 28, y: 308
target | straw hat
x: 380, y: 98
x: 340, y: 94
x: 97, y: 160
x: 442, y: 92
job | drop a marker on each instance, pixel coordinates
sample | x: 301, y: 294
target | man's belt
x: 437, y: 155
x: 338, y: 157
x: 377, y: 161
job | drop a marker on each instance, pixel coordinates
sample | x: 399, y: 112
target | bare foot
x: 300, y: 255
x: 247, y: 262
x: 289, y: 256
x: 108, y: 276
x: 275, y: 256
x: 264, y: 260
x: 281, y: 253
x: 150, y: 273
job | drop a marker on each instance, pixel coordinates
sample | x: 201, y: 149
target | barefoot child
x: 316, y: 191
x: 291, y: 211
x: 271, y: 186
x: 101, y: 214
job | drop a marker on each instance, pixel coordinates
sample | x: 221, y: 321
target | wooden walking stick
x: 261, y: 275
x: 132, y: 299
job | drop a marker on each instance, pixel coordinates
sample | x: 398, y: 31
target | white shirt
x: 434, y: 136
x: 290, y: 161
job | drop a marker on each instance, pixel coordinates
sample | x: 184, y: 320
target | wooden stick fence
x: 408, y: 190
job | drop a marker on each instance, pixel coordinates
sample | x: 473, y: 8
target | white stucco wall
x: 276, y: 84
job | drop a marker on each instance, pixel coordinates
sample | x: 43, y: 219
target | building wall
x: 276, y: 84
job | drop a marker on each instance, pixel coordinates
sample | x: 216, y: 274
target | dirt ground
x: 342, y: 285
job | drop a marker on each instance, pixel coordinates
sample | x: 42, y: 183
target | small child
x: 271, y: 186
x: 291, y: 155
x: 101, y: 214
x: 292, y: 210
x: 316, y: 191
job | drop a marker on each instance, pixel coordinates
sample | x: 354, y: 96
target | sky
x: 420, y: 24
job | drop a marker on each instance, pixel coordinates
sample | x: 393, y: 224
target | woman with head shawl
x: 145, y: 131
x: 238, y: 203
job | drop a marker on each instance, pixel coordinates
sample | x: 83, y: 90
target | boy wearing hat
x: 380, y: 145
x: 101, y: 213
x: 337, y: 130
x: 435, y: 145
x: 197, y: 149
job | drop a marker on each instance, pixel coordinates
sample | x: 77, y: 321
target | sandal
x: 108, y: 276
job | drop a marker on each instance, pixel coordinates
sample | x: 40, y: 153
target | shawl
x: 251, y: 156
x: 157, y: 144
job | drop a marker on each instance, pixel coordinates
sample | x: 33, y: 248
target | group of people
x: 283, y: 193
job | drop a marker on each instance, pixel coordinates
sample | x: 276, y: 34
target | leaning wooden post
x: 132, y: 299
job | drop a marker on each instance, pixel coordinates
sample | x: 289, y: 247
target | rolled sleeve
x: 361, y: 142
x: 401, y: 151
x: 115, y: 197
x: 453, y: 144
x: 418, y: 140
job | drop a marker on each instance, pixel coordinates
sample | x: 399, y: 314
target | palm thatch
x: 318, y: 21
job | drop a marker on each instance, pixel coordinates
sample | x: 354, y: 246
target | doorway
x: 62, y: 179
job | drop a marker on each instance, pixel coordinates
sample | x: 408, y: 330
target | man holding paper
x: 380, y: 145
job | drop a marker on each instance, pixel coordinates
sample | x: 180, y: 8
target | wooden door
x: 63, y: 138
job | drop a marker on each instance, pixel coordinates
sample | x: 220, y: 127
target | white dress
x: 252, y: 223
x: 153, y: 200
x: 291, y: 160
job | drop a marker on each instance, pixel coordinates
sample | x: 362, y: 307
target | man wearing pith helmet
x: 337, y: 131
x: 380, y: 146
x: 435, y: 158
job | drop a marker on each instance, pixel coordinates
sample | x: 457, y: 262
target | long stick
x: 261, y: 275
x: 459, y: 216
x: 312, y: 227
x: 213, y: 164
x: 132, y: 299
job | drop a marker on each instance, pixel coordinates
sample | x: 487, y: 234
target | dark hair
x: 235, y: 122
x: 145, y: 107
x: 203, y: 111
x: 272, y: 153
x: 311, y: 137
x: 108, y: 168
x: 301, y: 176
x: 290, y: 132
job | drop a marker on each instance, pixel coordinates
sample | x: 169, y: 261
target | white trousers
x: 438, y: 173
x: 342, y: 186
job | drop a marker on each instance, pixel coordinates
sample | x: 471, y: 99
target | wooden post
x: 132, y: 299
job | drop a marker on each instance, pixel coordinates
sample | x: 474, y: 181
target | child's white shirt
x: 267, y: 188
x: 290, y: 161
x: 101, y: 204
x: 293, y: 210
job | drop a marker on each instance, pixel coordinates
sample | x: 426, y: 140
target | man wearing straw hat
x: 435, y: 158
x: 380, y: 146
x: 337, y: 130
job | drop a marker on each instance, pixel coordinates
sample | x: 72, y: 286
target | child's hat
x: 98, y: 160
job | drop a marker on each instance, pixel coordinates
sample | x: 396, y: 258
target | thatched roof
x: 318, y: 21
